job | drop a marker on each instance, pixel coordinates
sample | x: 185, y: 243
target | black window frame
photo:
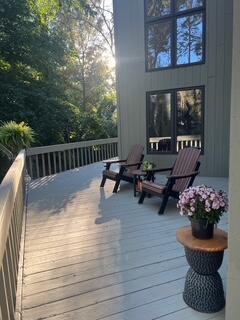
x: 173, y: 16
x: 173, y: 92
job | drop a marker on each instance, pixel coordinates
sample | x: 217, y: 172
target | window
x: 174, y: 33
x: 175, y: 119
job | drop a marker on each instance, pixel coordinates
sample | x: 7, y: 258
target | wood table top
x: 218, y: 243
x: 138, y: 172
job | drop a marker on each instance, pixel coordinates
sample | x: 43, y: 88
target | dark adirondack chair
x: 133, y: 162
x: 182, y: 176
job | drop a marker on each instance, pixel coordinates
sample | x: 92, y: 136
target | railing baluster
x: 69, y: 160
x: 111, y: 150
x: 49, y: 164
x: 105, y: 152
x: 81, y: 154
x: 31, y: 167
x: 54, y: 163
x: 4, y: 297
x: 60, y: 161
x: 12, y: 274
x: 65, y: 160
x: 5, y: 267
x: 43, y: 165
x: 99, y: 153
x: 14, y: 252
x: 78, y: 160
x: 89, y: 155
x: 85, y: 156
x: 114, y: 149
x: 74, y: 158
x: 108, y: 151
x: 37, y: 166
x: 1, y: 318
x: 15, y: 228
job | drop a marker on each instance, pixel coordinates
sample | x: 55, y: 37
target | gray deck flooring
x: 90, y: 254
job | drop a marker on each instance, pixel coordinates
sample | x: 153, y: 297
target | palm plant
x: 16, y: 136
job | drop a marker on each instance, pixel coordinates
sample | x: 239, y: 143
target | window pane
x: 183, y: 5
x: 189, y: 39
x: 159, y: 126
x: 159, y: 45
x: 189, y: 118
x: 158, y: 8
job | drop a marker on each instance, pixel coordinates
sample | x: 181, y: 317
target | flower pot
x: 202, y: 229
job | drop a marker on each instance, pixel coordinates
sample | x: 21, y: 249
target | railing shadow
x: 51, y: 195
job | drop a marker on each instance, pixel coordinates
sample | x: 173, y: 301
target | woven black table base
x: 204, y: 293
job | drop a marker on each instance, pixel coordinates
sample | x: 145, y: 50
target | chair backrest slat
x: 186, y: 163
x: 135, y: 155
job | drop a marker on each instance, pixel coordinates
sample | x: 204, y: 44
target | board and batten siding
x: 233, y: 284
x: 133, y: 82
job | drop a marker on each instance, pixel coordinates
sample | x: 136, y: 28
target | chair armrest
x: 189, y: 175
x: 113, y: 161
x: 108, y: 163
x: 157, y: 170
x: 131, y: 165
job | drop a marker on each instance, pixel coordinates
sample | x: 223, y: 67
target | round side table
x: 203, y: 289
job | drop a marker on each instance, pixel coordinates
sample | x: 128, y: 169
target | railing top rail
x: 68, y: 146
x: 8, y: 191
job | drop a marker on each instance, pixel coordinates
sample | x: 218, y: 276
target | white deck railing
x: 41, y: 161
x: 182, y: 142
x: 12, y: 201
x: 44, y: 161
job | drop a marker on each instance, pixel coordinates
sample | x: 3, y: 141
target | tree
x: 51, y: 67
x: 31, y: 57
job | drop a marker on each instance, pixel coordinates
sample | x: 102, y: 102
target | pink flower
x: 215, y: 204
x: 202, y: 201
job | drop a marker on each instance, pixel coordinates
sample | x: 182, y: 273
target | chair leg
x: 163, y: 205
x: 103, y: 182
x: 142, y: 197
x: 115, y: 189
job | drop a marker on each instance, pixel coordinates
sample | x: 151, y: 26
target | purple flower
x: 202, y: 201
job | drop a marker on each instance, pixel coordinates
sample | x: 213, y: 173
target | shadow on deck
x: 90, y: 254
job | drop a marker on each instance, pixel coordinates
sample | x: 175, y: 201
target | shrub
x: 16, y: 136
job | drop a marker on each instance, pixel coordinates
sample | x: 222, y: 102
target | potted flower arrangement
x: 204, y: 206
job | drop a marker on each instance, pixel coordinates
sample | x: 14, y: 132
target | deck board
x: 90, y: 254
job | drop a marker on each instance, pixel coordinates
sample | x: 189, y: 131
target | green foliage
x: 147, y: 165
x: 16, y: 136
x: 51, y: 72
x: 45, y: 10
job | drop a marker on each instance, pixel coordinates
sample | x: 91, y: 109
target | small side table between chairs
x: 203, y: 286
x: 137, y: 178
x: 137, y: 174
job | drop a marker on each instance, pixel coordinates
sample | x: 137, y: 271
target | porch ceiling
x: 90, y: 254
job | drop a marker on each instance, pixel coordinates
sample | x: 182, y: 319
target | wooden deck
x: 90, y: 254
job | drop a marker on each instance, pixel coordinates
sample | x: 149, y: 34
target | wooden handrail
x: 69, y: 146
x: 12, y: 200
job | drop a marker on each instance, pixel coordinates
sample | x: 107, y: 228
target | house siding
x: 233, y: 284
x: 133, y: 82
